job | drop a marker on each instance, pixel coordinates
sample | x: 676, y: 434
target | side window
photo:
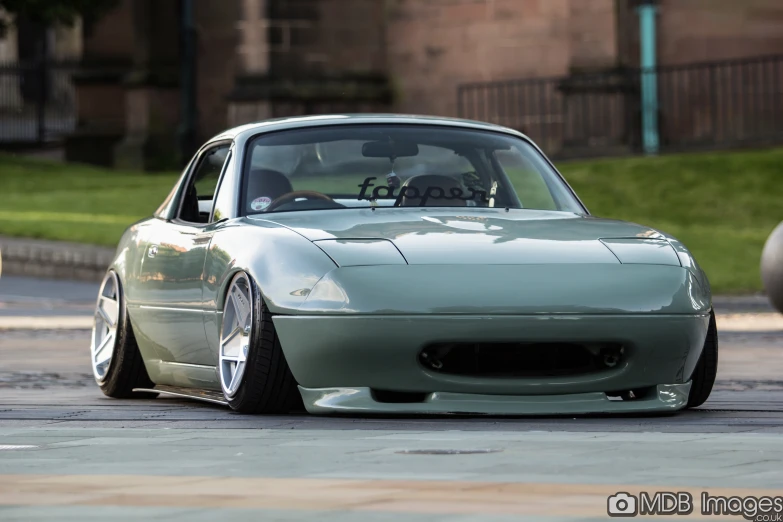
x: 197, y: 200
x: 225, y: 193
x: 164, y: 210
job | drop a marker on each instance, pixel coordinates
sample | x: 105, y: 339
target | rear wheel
x: 117, y: 364
x: 254, y: 374
x: 706, y: 369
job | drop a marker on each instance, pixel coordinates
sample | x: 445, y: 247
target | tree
x: 53, y: 12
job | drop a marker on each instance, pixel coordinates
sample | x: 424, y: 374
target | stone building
x: 265, y: 58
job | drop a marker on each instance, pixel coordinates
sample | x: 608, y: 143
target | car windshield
x: 362, y: 166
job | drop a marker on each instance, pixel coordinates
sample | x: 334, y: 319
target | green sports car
x: 386, y: 264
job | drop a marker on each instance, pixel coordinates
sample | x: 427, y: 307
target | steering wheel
x: 291, y: 196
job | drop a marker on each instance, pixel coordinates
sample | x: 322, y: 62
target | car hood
x: 476, y: 235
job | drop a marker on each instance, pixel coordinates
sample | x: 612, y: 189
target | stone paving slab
x: 311, y: 471
x: 308, y: 468
x: 104, y: 513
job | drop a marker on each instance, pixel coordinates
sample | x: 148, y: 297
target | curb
x: 54, y: 259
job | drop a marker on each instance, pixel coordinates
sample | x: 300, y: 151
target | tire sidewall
x: 238, y: 400
x: 705, y: 373
x: 120, y: 339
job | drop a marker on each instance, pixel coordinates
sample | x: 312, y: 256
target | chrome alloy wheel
x: 104, y: 330
x: 235, y: 334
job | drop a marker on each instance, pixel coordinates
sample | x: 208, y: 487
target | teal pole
x: 647, y: 34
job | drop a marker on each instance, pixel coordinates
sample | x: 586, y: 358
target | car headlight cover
x: 361, y: 252
x: 643, y: 251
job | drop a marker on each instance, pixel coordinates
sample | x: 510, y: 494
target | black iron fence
x: 705, y: 105
x: 37, y: 102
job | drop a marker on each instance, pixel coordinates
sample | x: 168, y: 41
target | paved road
x: 67, y: 452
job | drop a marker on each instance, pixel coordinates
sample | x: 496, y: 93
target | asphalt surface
x: 67, y: 452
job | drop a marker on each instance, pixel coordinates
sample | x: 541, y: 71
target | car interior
x: 402, y: 173
x: 405, y: 174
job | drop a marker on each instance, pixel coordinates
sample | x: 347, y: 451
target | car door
x: 172, y: 266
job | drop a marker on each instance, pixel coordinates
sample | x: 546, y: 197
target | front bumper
x: 666, y: 397
x: 339, y: 360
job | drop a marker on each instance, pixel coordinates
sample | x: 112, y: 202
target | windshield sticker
x: 387, y: 192
x: 260, y: 203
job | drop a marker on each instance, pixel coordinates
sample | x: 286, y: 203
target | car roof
x: 297, y: 122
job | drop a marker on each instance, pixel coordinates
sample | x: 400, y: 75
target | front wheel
x: 254, y: 374
x: 706, y: 369
x: 117, y: 364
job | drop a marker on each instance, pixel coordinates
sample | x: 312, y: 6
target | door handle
x: 153, y: 251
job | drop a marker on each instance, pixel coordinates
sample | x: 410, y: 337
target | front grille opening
x: 521, y: 359
x: 397, y: 397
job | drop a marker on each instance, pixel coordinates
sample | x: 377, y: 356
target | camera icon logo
x: 622, y: 505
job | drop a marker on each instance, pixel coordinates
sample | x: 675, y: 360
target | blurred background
x: 663, y: 112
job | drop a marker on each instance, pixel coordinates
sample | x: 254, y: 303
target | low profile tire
x: 706, y: 369
x: 117, y: 364
x: 254, y: 374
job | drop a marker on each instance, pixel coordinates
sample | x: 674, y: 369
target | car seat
x: 190, y: 212
x: 266, y: 183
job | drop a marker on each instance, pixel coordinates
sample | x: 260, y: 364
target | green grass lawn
x: 75, y: 202
x: 722, y: 205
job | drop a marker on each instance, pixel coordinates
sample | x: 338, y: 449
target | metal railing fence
x: 37, y: 102
x: 704, y: 105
